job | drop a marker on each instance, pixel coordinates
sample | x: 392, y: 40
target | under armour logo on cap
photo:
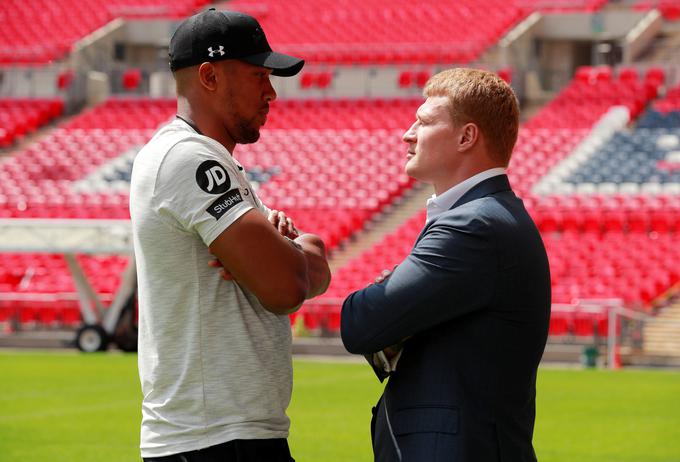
x: 241, y: 37
x: 219, y: 50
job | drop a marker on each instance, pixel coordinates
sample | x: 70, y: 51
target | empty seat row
x: 39, y: 312
x: 555, y: 6
x: 19, y: 117
x: 665, y: 112
x: 334, y: 164
x: 80, y: 168
x: 352, y: 32
x: 628, y: 242
x: 594, y: 220
x: 49, y: 34
x: 584, y: 100
x: 579, y: 323
x: 653, y: 75
x: 43, y: 273
x: 669, y: 8
x: 347, y: 32
x: 636, y: 268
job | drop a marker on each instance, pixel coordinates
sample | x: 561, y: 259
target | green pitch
x: 72, y: 407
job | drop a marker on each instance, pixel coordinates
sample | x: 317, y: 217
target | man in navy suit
x: 461, y: 324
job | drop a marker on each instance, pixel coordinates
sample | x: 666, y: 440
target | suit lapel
x: 487, y: 187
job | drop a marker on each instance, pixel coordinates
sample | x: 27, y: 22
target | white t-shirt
x: 214, y: 364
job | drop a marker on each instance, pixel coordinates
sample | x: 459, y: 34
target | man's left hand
x: 284, y: 224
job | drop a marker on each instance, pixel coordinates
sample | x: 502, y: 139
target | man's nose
x: 269, y: 92
x: 409, y: 136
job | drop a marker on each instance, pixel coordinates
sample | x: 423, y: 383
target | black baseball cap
x: 216, y: 35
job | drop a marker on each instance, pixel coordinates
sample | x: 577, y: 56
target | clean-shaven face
x: 431, y: 141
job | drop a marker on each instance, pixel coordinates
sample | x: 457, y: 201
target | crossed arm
x: 281, y: 268
x: 448, y: 274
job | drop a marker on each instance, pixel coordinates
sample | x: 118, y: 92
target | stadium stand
x: 605, y: 246
x: 78, y: 161
x: 639, y: 157
x: 610, y: 221
x: 669, y: 8
x: 352, y: 32
x: 592, y: 92
x: 316, y: 160
x: 436, y: 31
x: 336, y: 195
x: 38, y: 290
x: 618, y: 239
x: 373, y: 32
x: 664, y: 113
x: 19, y: 117
x: 560, y: 6
x: 27, y: 37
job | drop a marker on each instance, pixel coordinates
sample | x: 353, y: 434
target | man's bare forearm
x: 318, y: 272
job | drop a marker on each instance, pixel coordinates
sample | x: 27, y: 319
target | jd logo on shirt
x: 212, y: 178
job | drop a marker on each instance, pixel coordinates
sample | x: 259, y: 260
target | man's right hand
x: 280, y: 272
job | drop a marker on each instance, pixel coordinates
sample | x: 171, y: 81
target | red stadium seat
x: 307, y: 80
x: 132, y: 78
x: 628, y: 75
x: 585, y: 324
x: 655, y: 75
x: 505, y: 74
x: 638, y: 220
x: 584, y: 74
x: 560, y: 323
x: 61, y: 24
x: 324, y: 80
x: 421, y: 78
x: 406, y: 79
x: 64, y: 79
x: 19, y: 117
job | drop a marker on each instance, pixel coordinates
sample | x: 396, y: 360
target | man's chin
x: 249, y: 136
x: 411, y: 170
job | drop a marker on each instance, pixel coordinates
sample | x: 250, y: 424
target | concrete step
x: 661, y: 334
x: 663, y: 327
x: 661, y: 343
x: 652, y: 360
x: 662, y: 352
x: 395, y: 215
x: 38, y: 339
x: 673, y: 316
x: 664, y: 331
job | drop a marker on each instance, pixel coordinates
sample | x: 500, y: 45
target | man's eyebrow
x: 423, y: 115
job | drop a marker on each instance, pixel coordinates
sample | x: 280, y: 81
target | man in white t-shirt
x: 215, y: 352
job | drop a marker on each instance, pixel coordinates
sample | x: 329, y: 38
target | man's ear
x: 207, y: 76
x: 468, y: 137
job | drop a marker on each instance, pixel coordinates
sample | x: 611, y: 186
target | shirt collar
x: 189, y: 123
x: 436, y: 205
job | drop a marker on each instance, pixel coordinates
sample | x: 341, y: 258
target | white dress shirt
x: 436, y: 205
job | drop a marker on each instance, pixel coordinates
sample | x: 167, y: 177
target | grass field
x: 71, y: 407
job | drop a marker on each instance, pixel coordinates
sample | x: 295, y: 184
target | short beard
x: 247, y: 132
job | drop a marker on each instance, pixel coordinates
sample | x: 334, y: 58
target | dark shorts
x: 273, y: 450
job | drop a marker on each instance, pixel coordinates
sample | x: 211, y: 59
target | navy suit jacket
x: 473, y: 299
